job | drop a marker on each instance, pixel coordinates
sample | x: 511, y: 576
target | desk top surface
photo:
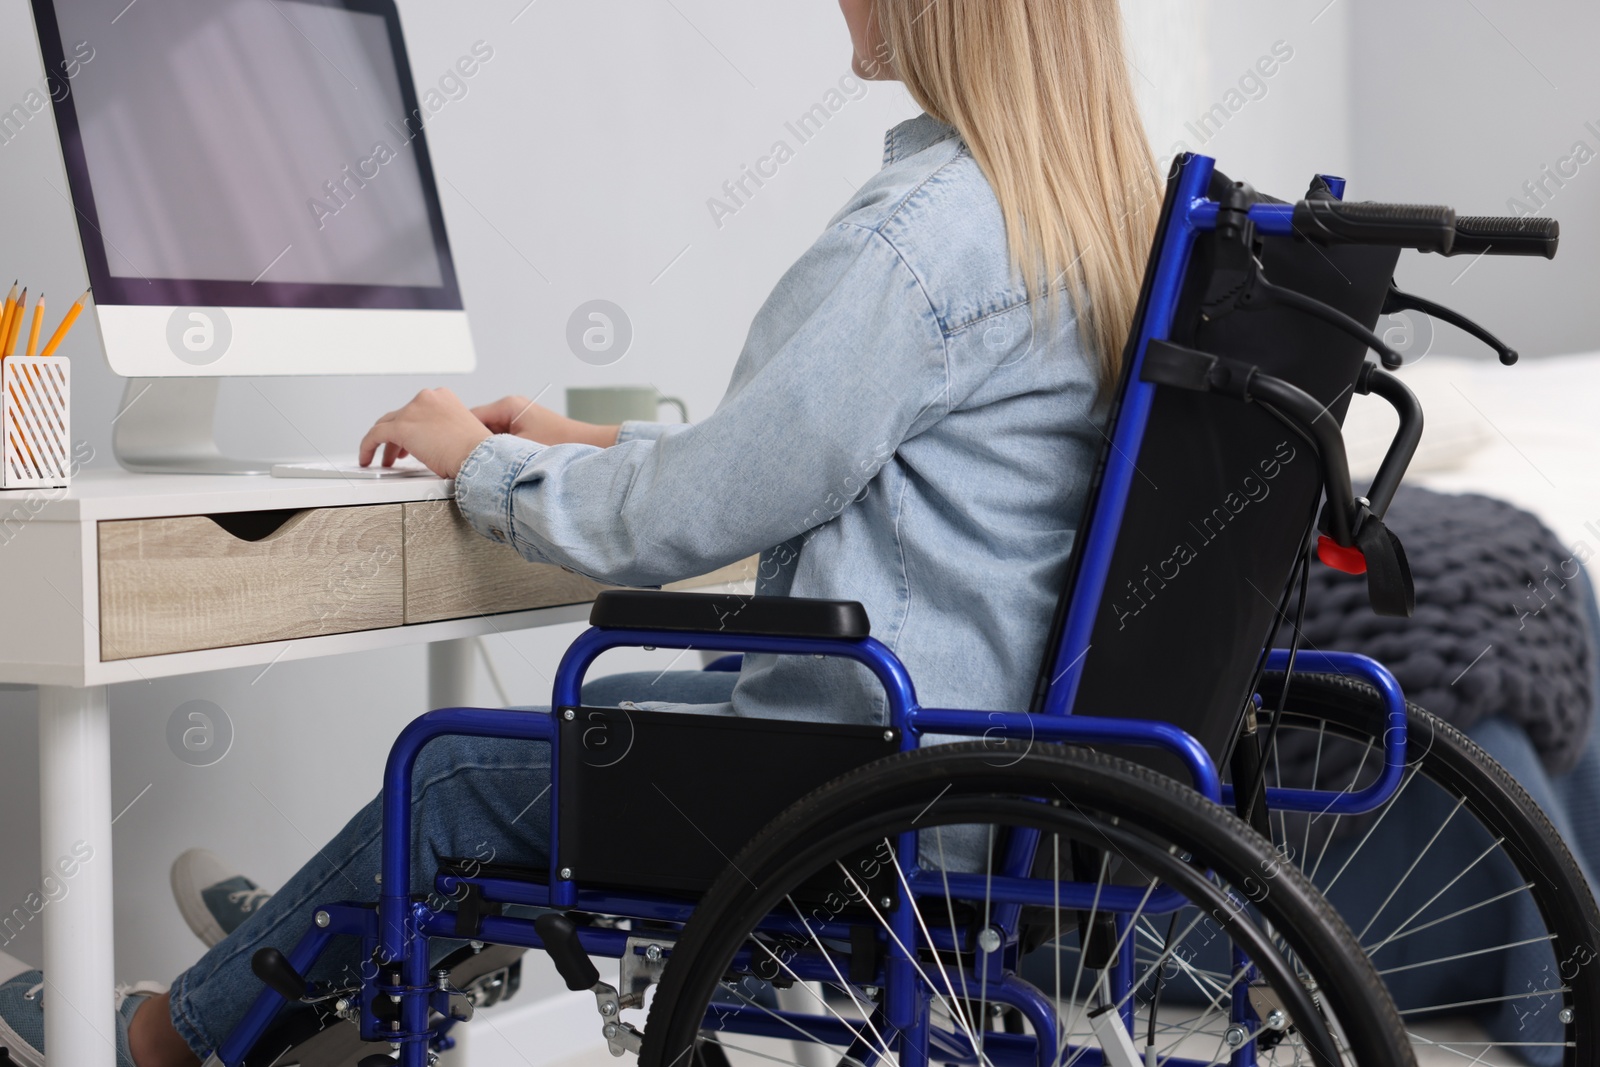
x: 113, y: 493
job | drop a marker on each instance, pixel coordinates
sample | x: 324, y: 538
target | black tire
x: 1171, y: 830
x: 1462, y: 776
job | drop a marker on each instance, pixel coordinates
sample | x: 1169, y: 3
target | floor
x: 1456, y: 1043
x: 553, y: 1028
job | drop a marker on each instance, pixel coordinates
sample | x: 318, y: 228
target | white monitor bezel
x: 268, y: 342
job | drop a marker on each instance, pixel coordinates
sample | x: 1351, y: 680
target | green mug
x: 613, y: 405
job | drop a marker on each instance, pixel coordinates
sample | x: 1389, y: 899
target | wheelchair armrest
x: 753, y: 616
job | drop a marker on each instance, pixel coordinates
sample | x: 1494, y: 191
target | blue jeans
x: 473, y: 798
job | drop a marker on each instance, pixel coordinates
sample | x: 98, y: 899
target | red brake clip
x: 1335, y: 555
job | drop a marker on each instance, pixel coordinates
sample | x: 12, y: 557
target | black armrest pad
x: 755, y: 616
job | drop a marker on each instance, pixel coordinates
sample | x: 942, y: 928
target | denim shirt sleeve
x: 646, y: 431
x: 845, y: 361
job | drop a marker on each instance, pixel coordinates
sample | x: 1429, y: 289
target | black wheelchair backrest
x: 1222, y: 496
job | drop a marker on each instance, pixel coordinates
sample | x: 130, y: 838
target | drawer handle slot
x: 255, y: 525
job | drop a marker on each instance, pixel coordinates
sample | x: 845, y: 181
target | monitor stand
x: 168, y: 426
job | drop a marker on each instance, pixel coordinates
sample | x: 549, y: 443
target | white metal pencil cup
x: 36, y: 449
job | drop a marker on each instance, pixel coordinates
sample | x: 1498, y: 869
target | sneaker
x: 214, y: 899
x: 22, y: 994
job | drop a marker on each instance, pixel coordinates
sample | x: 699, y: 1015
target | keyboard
x: 349, y: 471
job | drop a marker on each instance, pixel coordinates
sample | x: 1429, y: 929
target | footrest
x: 724, y: 613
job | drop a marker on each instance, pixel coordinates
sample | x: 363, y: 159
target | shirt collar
x: 913, y: 136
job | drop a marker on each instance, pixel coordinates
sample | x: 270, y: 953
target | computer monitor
x: 254, y: 196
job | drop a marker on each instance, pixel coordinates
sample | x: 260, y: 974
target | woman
x: 912, y: 424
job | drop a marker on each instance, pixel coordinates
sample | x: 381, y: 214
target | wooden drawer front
x: 452, y: 572
x: 182, y: 584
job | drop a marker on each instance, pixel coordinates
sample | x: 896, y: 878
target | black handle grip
x: 1504, y: 236
x: 274, y: 968
x: 560, y: 937
x: 1420, y: 226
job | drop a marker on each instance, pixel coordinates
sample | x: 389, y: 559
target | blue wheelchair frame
x: 399, y: 930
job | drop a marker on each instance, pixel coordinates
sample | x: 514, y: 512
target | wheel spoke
x: 805, y: 1034
x: 1467, y: 955
x: 1418, y: 859
x: 866, y: 1013
x: 1487, y: 1000
x: 1394, y: 802
x: 1316, y: 770
x: 883, y: 1044
x: 910, y: 900
x: 1077, y: 977
x: 1212, y: 1006
x: 771, y: 1058
x: 1403, y: 933
x: 950, y: 910
x: 909, y: 951
x: 1333, y: 827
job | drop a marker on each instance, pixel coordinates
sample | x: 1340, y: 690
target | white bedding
x: 1529, y: 434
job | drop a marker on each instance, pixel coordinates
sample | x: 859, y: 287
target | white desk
x: 102, y: 577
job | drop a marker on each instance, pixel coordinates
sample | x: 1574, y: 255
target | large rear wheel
x: 915, y: 956
x: 1460, y: 889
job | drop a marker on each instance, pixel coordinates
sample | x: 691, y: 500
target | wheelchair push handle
x: 1506, y: 236
x: 1427, y: 228
x: 1403, y: 448
x: 1354, y: 535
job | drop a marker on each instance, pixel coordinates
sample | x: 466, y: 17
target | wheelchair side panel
x: 663, y: 800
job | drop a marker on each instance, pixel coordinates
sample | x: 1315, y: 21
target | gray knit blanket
x: 1500, y: 627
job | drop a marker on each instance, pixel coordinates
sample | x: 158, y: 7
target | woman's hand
x: 435, y: 427
x: 520, y: 416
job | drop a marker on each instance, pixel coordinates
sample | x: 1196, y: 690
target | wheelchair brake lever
x: 279, y: 975
x: 561, y: 943
x: 274, y: 968
x: 1398, y: 301
x: 1239, y: 280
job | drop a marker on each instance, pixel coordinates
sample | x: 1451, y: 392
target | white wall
x: 1291, y: 124
x: 1464, y: 104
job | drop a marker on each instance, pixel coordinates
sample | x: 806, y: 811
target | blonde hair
x: 1039, y: 91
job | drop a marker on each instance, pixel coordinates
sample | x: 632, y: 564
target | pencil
x: 5, y: 319
x: 33, y: 330
x: 66, y: 324
x: 16, y: 324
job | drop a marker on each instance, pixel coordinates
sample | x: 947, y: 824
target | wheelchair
x: 1193, y: 847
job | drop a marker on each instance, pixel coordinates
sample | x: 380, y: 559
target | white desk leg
x: 451, y: 667
x: 75, y: 823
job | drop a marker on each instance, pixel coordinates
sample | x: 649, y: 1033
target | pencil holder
x: 36, y: 449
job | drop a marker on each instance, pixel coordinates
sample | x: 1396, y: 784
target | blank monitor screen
x: 252, y: 153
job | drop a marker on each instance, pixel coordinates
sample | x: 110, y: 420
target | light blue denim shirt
x: 894, y: 433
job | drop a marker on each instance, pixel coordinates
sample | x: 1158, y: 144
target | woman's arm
x: 521, y: 417
x: 438, y: 429
x: 844, y: 363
